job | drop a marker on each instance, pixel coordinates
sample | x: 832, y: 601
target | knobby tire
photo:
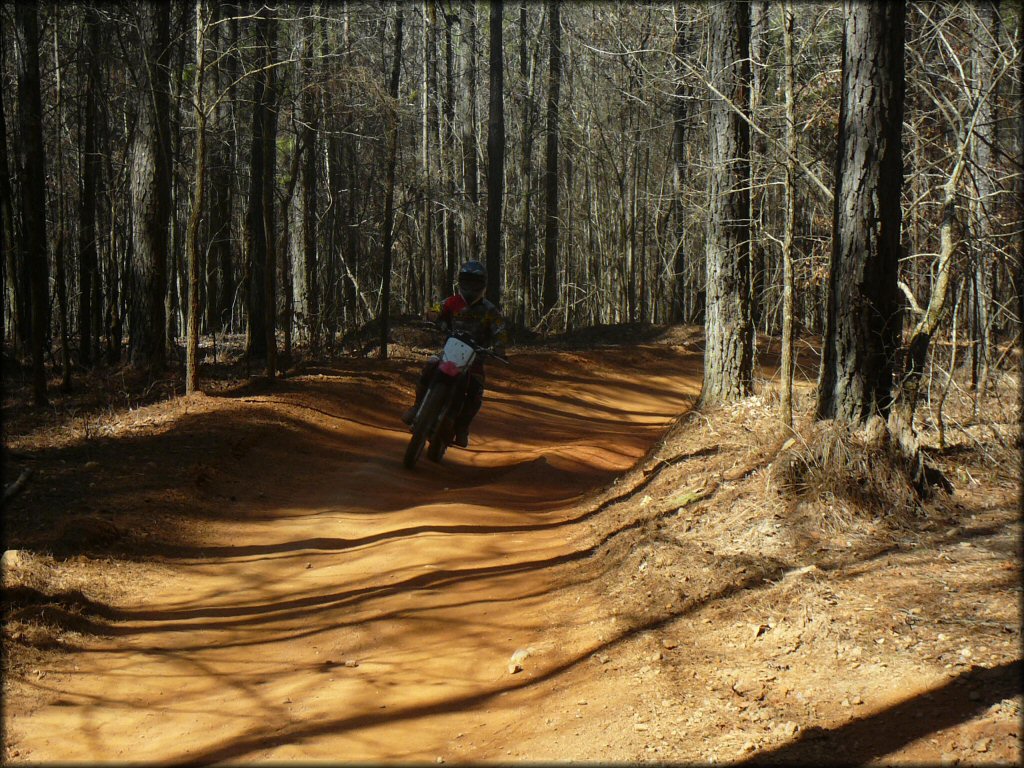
x: 424, y: 421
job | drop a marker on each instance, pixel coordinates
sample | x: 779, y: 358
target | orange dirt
x: 283, y: 589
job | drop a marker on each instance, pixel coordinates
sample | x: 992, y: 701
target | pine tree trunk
x: 59, y: 260
x: 256, y: 243
x: 267, y: 203
x: 495, y: 154
x: 32, y: 171
x: 88, y: 259
x: 863, y: 323
x: 551, y: 211
x: 759, y: 159
x: 471, y: 172
x: 15, y: 297
x: 198, y: 200
x: 428, y: 95
x: 311, y: 118
x: 984, y: 151
x: 389, y: 199
x: 682, y: 45
x: 452, y: 171
x: 786, y: 383
x: 525, y: 171
x: 151, y: 192
x: 222, y: 160
x: 729, y: 354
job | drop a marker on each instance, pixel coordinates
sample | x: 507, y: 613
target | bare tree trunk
x: 32, y: 171
x: 758, y: 159
x: 728, y: 352
x: 88, y: 259
x: 257, y: 249
x: 469, y: 138
x: 864, y: 320
x: 495, y: 154
x: 175, y: 300
x: 428, y: 94
x: 984, y: 150
x: 682, y: 47
x: 60, y: 278
x: 551, y: 211
x: 151, y: 192
x: 452, y: 171
x: 786, y: 384
x: 267, y: 203
x: 198, y: 200
x: 310, y: 198
x: 915, y: 356
x: 525, y: 169
x: 389, y: 199
x: 222, y: 160
x: 15, y: 293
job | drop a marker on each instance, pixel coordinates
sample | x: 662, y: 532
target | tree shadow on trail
x: 885, y: 732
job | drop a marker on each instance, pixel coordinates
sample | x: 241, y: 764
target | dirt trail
x: 334, y: 605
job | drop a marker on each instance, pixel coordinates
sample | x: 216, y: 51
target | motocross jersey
x: 481, y: 320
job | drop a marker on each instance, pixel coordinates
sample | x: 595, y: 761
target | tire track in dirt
x: 367, y: 612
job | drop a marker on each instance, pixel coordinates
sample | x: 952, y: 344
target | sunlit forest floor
x: 606, y: 574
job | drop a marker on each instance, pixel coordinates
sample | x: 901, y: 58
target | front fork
x: 453, y: 404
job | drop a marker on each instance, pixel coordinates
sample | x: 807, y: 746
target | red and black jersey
x: 481, y: 320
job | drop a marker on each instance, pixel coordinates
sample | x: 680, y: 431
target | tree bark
x: 310, y: 196
x: 59, y: 259
x: 175, y: 299
x: 267, y: 203
x: 495, y: 153
x: 786, y: 383
x: 863, y: 320
x: 471, y: 170
x: 758, y: 159
x: 389, y: 199
x: 223, y: 154
x: 32, y: 172
x: 729, y: 354
x: 451, y: 263
x: 428, y: 88
x: 525, y: 170
x: 681, y: 310
x: 258, y: 246
x: 198, y: 200
x: 88, y: 258
x: 551, y: 212
x: 984, y: 150
x: 151, y: 192
x: 15, y: 292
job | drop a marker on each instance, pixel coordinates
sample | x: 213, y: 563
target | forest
x: 178, y: 175
x: 747, y: 490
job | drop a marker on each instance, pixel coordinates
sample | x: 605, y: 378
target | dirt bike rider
x: 466, y: 311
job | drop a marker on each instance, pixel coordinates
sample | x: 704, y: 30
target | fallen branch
x: 17, y: 486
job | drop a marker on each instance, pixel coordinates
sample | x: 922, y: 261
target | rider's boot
x: 462, y: 422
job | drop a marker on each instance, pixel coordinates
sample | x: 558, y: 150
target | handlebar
x: 465, y: 339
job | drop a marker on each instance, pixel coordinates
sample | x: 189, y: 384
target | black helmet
x: 472, y: 281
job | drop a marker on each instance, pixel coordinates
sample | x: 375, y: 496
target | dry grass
x: 849, y: 473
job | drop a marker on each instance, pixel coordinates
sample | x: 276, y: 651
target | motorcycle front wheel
x: 426, y: 417
x: 437, y: 448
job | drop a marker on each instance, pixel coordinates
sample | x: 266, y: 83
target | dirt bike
x: 435, y: 419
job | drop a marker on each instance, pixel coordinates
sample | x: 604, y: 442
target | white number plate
x: 458, y: 352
